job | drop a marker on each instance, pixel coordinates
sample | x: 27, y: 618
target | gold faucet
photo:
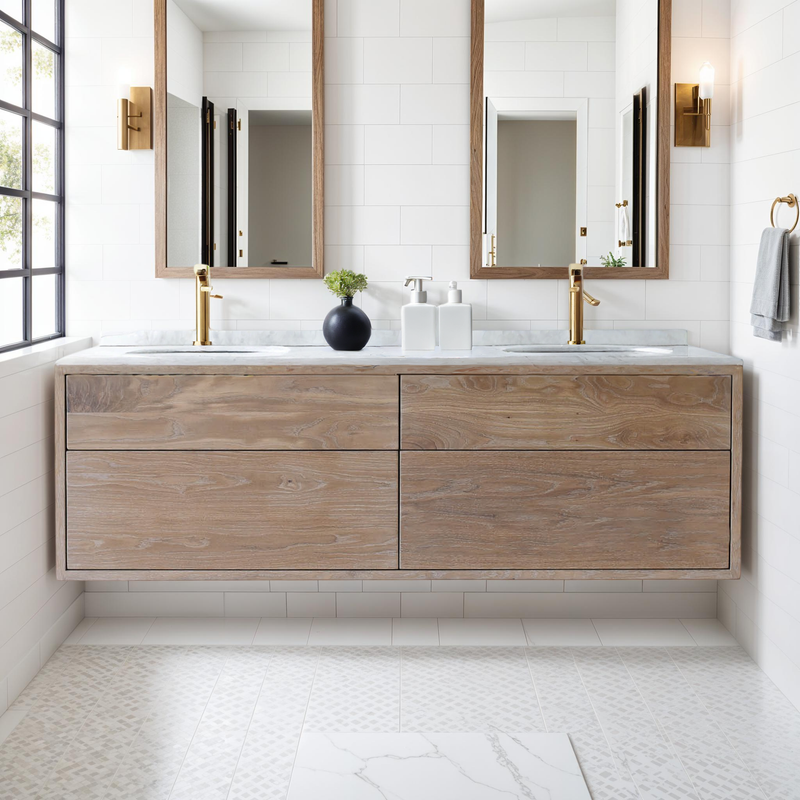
x: 576, y: 297
x: 203, y: 297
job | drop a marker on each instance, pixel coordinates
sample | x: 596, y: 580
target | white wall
x: 396, y: 202
x: 37, y: 612
x: 763, y: 609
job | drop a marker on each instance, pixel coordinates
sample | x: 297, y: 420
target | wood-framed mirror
x: 570, y: 138
x: 239, y: 138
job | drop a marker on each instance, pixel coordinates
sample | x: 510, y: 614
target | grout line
x: 91, y: 625
x: 597, y: 633
x: 696, y: 643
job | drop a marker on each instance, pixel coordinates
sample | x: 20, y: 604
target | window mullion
x: 27, y: 177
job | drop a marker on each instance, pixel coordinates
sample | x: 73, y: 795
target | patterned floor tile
x: 468, y: 690
x: 567, y: 709
x: 637, y: 741
x: 206, y: 722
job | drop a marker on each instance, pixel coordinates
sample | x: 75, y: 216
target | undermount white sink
x: 208, y: 350
x: 578, y: 349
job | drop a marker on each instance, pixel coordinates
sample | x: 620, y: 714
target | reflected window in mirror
x: 242, y: 166
x: 572, y: 137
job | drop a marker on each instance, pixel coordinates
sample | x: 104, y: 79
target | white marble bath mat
x: 436, y: 766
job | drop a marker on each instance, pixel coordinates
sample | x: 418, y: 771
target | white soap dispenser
x: 417, y: 318
x: 455, y: 321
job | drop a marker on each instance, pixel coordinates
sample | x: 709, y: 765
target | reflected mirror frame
x: 317, y: 156
x: 476, y: 266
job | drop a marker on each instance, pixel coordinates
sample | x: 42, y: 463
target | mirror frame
x: 476, y: 266
x: 317, y: 157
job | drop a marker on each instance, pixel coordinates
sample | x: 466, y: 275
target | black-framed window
x: 31, y: 172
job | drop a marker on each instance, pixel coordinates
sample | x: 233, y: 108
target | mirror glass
x: 239, y: 133
x: 570, y: 124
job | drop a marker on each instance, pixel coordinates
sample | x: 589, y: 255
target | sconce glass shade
x: 706, y: 91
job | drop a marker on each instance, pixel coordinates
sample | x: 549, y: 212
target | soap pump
x: 455, y: 321
x: 417, y: 318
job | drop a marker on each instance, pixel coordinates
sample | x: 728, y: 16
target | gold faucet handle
x: 592, y: 301
x: 219, y: 296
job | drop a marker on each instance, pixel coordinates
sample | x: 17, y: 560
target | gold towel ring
x: 790, y: 201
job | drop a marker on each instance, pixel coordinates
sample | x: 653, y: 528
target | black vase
x: 347, y: 327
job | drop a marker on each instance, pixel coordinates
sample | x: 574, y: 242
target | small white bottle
x: 418, y: 319
x: 455, y: 322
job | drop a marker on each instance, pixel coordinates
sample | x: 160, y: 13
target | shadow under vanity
x: 301, y: 462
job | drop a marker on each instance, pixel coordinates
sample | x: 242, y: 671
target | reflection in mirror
x: 570, y: 146
x: 239, y: 133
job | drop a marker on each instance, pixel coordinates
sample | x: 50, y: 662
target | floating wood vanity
x: 496, y: 467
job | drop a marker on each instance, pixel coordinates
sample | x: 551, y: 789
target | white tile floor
x: 406, y: 631
x: 218, y: 712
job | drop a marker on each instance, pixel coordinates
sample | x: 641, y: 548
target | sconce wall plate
x: 135, y: 120
x: 691, y: 115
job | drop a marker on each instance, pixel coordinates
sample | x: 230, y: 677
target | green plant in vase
x: 346, y: 327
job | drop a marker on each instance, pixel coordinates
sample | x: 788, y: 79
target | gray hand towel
x: 770, y: 305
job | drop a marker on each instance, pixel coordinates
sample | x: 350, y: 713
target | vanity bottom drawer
x: 557, y: 510
x: 215, y: 511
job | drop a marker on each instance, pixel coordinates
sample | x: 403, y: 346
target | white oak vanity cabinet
x: 398, y: 471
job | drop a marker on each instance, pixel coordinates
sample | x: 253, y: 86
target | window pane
x: 11, y: 311
x: 10, y: 65
x: 10, y: 232
x: 44, y: 158
x: 13, y: 8
x: 44, y: 234
x: 44, y: 80
x: 10, y: 150
x: 44, y: 305
x: 44, y: 18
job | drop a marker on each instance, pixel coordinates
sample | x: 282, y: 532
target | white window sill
x: 37, y: 354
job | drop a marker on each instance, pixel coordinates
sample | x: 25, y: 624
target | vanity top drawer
x: 566, y: 412
x: 231, y: 412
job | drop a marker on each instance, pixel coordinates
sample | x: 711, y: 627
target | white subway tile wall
x: 763, y: 609
x: 397, y: 146
x: 37, y: 612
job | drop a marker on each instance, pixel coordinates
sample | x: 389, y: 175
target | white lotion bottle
x: 417, y: 318
x: 455, y: 321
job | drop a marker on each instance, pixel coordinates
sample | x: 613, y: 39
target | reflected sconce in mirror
x: 134, y: 118
x: 693, y: 110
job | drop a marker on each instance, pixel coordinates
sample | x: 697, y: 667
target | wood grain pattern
x: 193, y: 412
x: 231, y: 510
x: 737, y: 437
x: 523, y: 510
x: 317, y: 270
x: 477, y: 268
x: 585, y: 412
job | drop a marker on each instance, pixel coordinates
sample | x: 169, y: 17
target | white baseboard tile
x: 60, y: 632
x: 106, y: 586
x: 340, y: 586
x: 199, y: 586
x: 432, y: 604
x: 310, y: 604
x: 155, y: 604
x: 294, y: 586
x: 524, y: 586
x: 396, y: 586
x: 368, y: 604
x: 255, y: 604
x: 458, y: 586
x: 23, y: 673
x: 680, y: 586
x: 3, y: 696
x: 603, y: 586
x: 694, y: 605
x: 726, y: 611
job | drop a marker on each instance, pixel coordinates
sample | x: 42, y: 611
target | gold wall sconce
x: 134, y: 119
x: 693, y: 110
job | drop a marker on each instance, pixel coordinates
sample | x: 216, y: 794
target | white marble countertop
x: 658, y: 348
